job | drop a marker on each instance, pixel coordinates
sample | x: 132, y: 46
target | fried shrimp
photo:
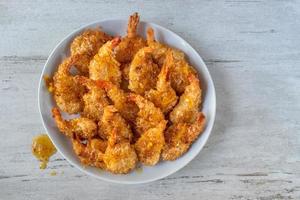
x: 104, y: 65
x: 94, y: 100
x: 119, y: 97
x: 67, y: 93
x: 91, y: 153
x: 149, y: 146
x: 87, y: 45
x: 128, y: 47
x: 89, y: 42
x: 180, y: 71
x: 131, y: 43
x: 146, y: 65
x: 187, y: 107
x: 119, y: 157
x: 163, y: 96
x: 179, y: 68
x: 113, y: 121
x: 180, y: 136
x: 158, y: 50
x: 81, y: 127
x: 143, y: 72
x: 148, y: 116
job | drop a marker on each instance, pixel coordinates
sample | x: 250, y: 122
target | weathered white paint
x: 252, y: 49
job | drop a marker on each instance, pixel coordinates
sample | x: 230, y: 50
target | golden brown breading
x: 180, y: 71
x: 81, y: 127
x: 149, y: 146
x: 94, y: 100
x: 67, y: 93
x: 119, y: 158
x: 125, y: 77
x: 104, y: 65
x: 143, y: 72
x: 113, y: 121
x: 148, y: 116
x: 179, y: 68
x: 91, y: 153
x: 119, y: 97
x: 82, y: 64
x: 163, y: 96
x: 180, y: 136
x: 87, y: 44
x: 158, y: 50
x: 188, y: 105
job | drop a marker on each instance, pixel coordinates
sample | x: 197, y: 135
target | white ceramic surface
x: 147, y: 174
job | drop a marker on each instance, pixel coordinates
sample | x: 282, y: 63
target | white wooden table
x: 252, y: 49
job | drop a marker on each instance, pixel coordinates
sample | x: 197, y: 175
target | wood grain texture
x: 252, y: 49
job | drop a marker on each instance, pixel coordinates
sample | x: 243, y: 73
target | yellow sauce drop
x: 43, y: 164
x: 42, y: 149
x: 53, y: 173
x: 139, y: 170
x: 49, y: 83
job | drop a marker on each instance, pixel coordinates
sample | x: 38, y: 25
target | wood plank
x: 252, y: 50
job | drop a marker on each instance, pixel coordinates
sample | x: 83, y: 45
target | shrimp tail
x: 150, y: 36
x: 132, y: 25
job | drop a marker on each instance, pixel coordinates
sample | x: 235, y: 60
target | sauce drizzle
x: 42, y: 148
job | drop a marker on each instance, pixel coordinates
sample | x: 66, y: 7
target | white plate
x: 147, y: 174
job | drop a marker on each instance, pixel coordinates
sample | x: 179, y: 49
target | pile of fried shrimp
x: 138, y: 100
